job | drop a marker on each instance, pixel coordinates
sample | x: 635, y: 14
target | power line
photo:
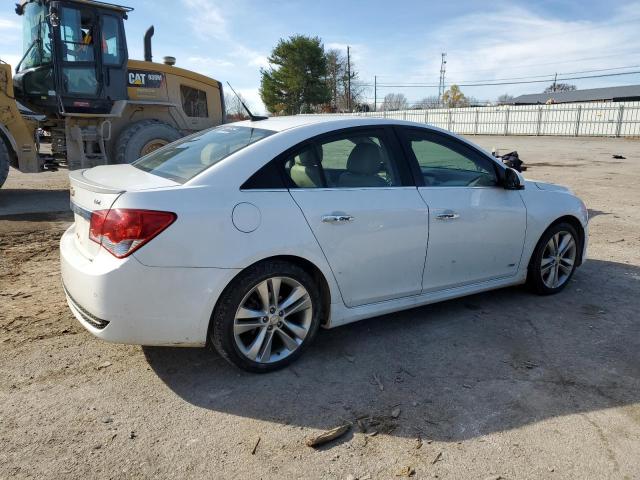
x: 388, y: 85
x: 552, y: 74
x: 549, y: 76
x: 562, y: 62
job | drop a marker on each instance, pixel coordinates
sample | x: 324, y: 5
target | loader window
x: 111, y: 50
x: 77, y: 32
x: 36, y: 41
x: 77, y: 38
x: 194, y: 102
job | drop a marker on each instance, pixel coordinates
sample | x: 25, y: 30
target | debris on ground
x: 378, y: 382
x: 328, y: 436
x: 104, y: 365
x: 371, y: 425
x: 406, y: 471
x: 255, y: 446
x: 512, y: 160
x: 619, y: 157
x: 437, y: 459
x: 132, y: 435
x: 395, y: 413
x: 350, y: 358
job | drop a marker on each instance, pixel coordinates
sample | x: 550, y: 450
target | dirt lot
x: 499, y: 385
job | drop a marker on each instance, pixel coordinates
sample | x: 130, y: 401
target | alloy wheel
x: 273, y: 320
x: 558, y: 259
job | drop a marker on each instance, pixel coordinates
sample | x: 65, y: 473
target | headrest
x: 364, y: 159
x: 308, y: 158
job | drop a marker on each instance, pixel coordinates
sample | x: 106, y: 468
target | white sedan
x: 252, y: 235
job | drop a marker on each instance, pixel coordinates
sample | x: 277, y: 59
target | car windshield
x: 36, y: 41
x: 186, y: 158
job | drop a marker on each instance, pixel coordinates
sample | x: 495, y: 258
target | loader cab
x: 75, y: 56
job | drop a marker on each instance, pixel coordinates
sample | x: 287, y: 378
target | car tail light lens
x: 122, y: 231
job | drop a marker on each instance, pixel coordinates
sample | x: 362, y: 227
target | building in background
x: 627, y: 93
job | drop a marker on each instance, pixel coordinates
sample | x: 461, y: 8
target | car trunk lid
x: 97, y: 189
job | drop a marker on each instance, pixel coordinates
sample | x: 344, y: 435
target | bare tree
x: 394, y: 101
x: 427, y: 102
x: 335, y: 72
x: 505, y: 99
x: 233, y: 106
x: 560, y: 87
x: 338, y: 82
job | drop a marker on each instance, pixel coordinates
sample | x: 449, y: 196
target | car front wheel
x: 266, y: 317
x: 554, y: 259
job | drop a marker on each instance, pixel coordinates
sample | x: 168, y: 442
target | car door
x: 357, y: 194
x: 476, y: 227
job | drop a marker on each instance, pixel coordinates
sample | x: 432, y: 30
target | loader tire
x: 142, y: 138
x: 4, y: 161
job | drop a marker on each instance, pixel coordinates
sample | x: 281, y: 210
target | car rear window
x: 182, y: 160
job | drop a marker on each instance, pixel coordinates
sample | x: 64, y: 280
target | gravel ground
x: 499, y: 385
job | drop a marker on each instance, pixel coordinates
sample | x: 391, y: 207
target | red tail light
x: 122, y: 230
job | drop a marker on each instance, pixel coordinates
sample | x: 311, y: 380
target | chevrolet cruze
x: 252, y: 235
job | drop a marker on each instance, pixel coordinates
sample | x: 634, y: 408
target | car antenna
x: 254, y: 118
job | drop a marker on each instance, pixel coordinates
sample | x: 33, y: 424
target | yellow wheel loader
x: 82, y: 91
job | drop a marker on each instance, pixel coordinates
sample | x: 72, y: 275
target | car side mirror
x: 512, y: 180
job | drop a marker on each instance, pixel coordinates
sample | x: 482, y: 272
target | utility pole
x: 348, y: 79
x: 443, y: 68
x: 555, y: 78
x: 375, y: 93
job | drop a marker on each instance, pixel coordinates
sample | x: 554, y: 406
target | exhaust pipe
x: 148, y: 57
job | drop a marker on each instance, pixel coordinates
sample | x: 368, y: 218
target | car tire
x: 553, y: 262
x: 236, y: 338
x: 4, y: 161
x: 143, y: 137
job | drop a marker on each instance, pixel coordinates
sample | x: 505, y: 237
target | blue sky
x: 399, y: 41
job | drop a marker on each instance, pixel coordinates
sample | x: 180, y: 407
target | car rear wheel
x: 266, y: 317
x: 554, y: 259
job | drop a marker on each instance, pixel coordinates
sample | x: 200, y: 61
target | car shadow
x: 456, y: 370
x: 16, y: 202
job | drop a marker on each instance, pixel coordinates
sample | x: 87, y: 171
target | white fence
x: 597, y: 119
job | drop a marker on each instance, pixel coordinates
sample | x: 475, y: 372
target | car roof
x: 279, y: 124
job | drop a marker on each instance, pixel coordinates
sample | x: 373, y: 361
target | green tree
x: 295, y: 81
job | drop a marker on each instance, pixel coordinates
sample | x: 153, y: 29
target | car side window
x: 358, y: 159
x: 444, y: 163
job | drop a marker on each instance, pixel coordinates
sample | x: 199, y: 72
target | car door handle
x: 447, y: 216
x: 337, y: 218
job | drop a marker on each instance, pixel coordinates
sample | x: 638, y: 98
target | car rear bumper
x: 124, y: 301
